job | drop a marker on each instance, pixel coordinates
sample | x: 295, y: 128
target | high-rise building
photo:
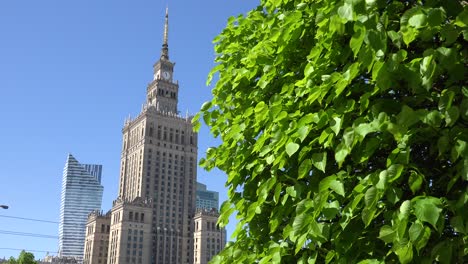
x: 209, y: 238
x: 81, y: 194
x: 206, y: 199
x: 157, y: 171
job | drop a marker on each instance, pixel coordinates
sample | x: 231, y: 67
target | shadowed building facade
x: 81, y: 194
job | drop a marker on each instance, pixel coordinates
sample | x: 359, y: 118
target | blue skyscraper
x: 206, y: 199
x: 81, y: 194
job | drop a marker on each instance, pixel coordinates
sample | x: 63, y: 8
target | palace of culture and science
x: 154, y: 219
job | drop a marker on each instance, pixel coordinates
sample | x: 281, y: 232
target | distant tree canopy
x: 344, y: 131
x: 23, y: 258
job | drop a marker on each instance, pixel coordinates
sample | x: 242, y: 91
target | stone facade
x: 97, y: 238
x: 158, y: 164
x: 209, y: 238
x: 152, y: 221
x: 130, y: 231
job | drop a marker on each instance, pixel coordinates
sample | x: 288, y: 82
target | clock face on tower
x: 166, y: 75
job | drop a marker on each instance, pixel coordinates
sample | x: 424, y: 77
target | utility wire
x: 14, y: 233
x: 29, y: 250
x: 29, y: 219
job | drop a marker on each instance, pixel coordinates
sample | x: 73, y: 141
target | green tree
x: 344, y: 131
x: 23, y: 258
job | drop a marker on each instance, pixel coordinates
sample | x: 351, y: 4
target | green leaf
x: 415, y: 180
x: 335, y: 124
x: 462, y: 19
x: 319, y: 160
x: 338, y: 187
x: 433, y: 119
x: 405, y: 253
x: 451, y: 116
x: 291, y: 191
x: 436, y: 16
x: 341, y: 152
x: 309, y: 69
x: 409, y: 35
x: 394, y: 172
x: 300, y: 222
x: 418, y: 20
x: 358, y: 37
x: 206, y: 106
x: 427, y: 69
x: 291, y: 148
x: 330, y: 256
x: 370, y: 261
x: 395, y: 37
x: 277, y: 193
x: 405, y: 208
x: 346, y: 11
x: 260, y: 107
x: 422, y: 240
x: 407, y: 117
x: 333, y: 183
x: 416, y: 231
x: 367, y: 215
x: 446, y: 99
x: 371, y: 146
x: 387, y: 234
x: 303, y: 132
x: 371, y: 197
x: 196, y: 122
x: 304, y: 168
x: 427, y: 209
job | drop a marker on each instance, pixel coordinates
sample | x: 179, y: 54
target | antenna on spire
x: 165, y: 47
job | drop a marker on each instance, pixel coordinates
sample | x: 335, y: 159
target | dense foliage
x: 23, y: 258
x: 344, y: 131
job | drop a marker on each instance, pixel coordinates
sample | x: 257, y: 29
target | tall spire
x: 165, y: 49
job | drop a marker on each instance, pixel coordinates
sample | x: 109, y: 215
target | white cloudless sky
x: 70, y: 73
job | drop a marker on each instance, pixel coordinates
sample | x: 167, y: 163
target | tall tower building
x: 206, y: 199
x: 81, y: 194
x: 158, y: 169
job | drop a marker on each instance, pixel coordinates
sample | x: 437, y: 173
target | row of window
x: 169, y: 136
x: 136, y: 217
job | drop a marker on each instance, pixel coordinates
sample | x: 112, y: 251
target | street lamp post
x: 3, y: 206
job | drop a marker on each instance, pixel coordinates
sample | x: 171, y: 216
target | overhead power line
x: 30, y: 250
x: 14, y: 233
x: 29, y: 219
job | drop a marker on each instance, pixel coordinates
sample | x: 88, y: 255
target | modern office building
x: 209, y: 238
x: 81, y: 194
x: 206, y: 199
x: 157, y: 185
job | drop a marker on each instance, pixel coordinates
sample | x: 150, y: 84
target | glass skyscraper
x: 81, y: 194
x: 206, y: 199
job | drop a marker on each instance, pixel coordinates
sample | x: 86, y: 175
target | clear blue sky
x: 70, y: 72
